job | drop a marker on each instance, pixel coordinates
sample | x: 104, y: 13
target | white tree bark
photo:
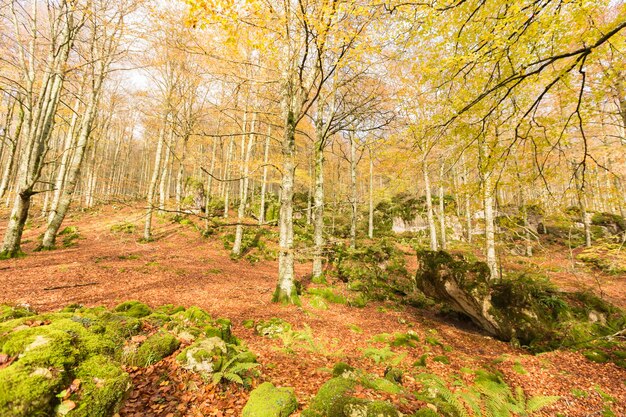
x: 432, y: 228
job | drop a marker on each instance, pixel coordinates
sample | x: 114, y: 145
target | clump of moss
x: 269, y: 401
x: 394, y: 375
x: 133, y: 309
x: 341, y: 369
x: 409, y: 339
x: 103, y: 386
x: 328, y: 294
x: 8, y: 312
x: 69, y: 234
x: 196, y: 316
x: 442, y: 359
x: 153, y: 349
x: 272, y: 328
x: 318, y: 303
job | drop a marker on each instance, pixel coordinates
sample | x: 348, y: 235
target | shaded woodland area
x: 335, y: 208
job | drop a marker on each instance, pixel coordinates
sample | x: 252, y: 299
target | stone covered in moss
x: 329, y: 397
x: 133, y: 309
x: 14, y: 312
x: 269, y: 401
x: 28, y: 391
x: 272, y: 328
x: 153, y: 349
x: 204, y: 356
x: 425, y: 412
x: 103, y: 386
x: 343, y: 369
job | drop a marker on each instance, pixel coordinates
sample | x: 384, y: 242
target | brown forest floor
x: 181, y: 267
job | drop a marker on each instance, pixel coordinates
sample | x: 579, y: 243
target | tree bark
x: 432, y: 228
x: 147, y: 230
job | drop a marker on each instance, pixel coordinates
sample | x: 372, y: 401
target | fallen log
x: 86, y: 284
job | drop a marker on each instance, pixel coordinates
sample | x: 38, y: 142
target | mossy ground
x: 77, y: 355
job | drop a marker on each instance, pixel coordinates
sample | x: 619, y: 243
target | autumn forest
x: 316, y: 208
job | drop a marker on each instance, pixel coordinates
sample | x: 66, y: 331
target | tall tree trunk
x: 432, y: 228
x: 11, y: 157
x: 229, y: 156
x: 243, y: 195
x: 285, y: 289
x: 318, y: 206
x: 266, y: 155
x: 442, y: 209
x: 488, y: 203
x: 180, y: 176
x: 147, y: 230
x: 164, y: 174
x: 73, y: 174
x: 370, y: 223
x: 353, y: 193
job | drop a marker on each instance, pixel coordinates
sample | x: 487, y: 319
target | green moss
x: 154, y: 348
x: 280, y: 296
x: 442, y: 359
x: 103, y: 386
x: 204, y: 356
x: 28, y: 392
x: 405, y: 339
x: 14, y: 312
x: 318, y: 303
x: 169, y: 309
x: 328, y: 294
x: 272, y: 328
x: 248, y: 324
x: 596, y: 356
x: 341, y: 368
x: 328, y: 395
x: 421, y: 362
x: 380, y: 384
x: 425, y: 412
x: 196, y: 316
x: 394, y: 375
x: 381, y: 409
x: 133, y: 309
x: 269, y: 401
x: 359, y: 301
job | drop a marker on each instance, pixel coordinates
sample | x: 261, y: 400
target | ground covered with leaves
x: 368, y: 351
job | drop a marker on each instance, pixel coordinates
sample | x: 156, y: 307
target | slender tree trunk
x: 370, y: 224
x: 285, y: 289
x: 442, y: 209
x: 266, y: 155
x: 163, y: 181
x: 180, y: 176
x: 318, y: 206
x: 11, y: 157
x: 243, y: 195
x: 353, y: 193
x: 147, y: 230
x: 488, y: 201
x: 229, y: 155
x: 432, y: 228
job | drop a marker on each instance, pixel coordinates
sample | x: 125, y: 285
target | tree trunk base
x: 282, y: 297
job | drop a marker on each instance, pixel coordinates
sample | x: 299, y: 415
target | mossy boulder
x: 329, y: 397
x: 152, y: 350
x: 272, y: 328
x: 343, y: 369
x: 204, y: 356
x: 522, y: 308
x: 133, y: 309
x: 269, y: 401
x: 28, y: 391
x: 103, y: 386
x: 8, y: 312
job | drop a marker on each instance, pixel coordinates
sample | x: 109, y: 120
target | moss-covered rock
x: 8, y: 312
x: 204, y: 356
x: 329, y: 396
x: 270, y: 401
x: 196, y: 316
x: 343, y: 369
x: 425, y: 412
x: 272, y: 328
x: 394, y: 375
x: 523, y: 308
x: 153, y: 349
x: 28, y: 391
x: 103, y: 386
x: 133, y: 309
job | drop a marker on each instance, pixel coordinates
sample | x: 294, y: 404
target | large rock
x: 270, y: 401
x: 508, y: 309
